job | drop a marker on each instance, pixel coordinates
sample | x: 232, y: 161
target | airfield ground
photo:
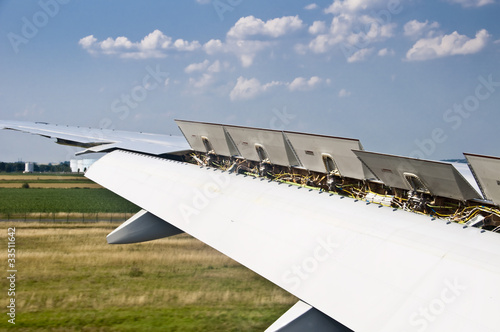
x: 70, y: 279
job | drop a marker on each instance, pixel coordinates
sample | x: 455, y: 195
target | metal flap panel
x: 271, y: 140
x: 309, y: 149
x: 486, y: 170
x: 143, y: 226
x: 442, y: 179
x: 194, y: 131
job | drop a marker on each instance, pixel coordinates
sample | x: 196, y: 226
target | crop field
x: 50, y: 180
x: 54, y: 200
x: 69, y: 279
x: 58, y: 196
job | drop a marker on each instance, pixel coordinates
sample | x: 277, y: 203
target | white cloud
x: 360, y: 55
x: 184, y: 45
x: 239, y: 42
x: 251, y: 26
x: 214, y: 67
x: 415, y: 29
x: 385, y: 52
x: 208, y: 70
x: 245, y: 50
x: 350, y: 29
x: 201, y: 82
x: 196, y: 67
x: 213, y: 46
x: 317, y: 27
x: 303, y: 84
x: 343, y: 6
x: 447, y: 45
x: 472, y: 3
x: 311, y: 6
x: 154, y: 45
x: 204, y: 2
x: 344, y: 93
x: 250, y: 88
x: 88, y: 41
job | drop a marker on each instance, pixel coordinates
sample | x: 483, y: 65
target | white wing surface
x: 370, y: 268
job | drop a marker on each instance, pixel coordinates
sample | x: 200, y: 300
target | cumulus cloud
x: 360, y: 55
x: 303, y: 84
x: 249, y: 88
x: 252, y: 87
x: 245, y: 50
x: 447, y: 45
x: 317, y: 27
x: 344, y: 93
x: 239, y: 38
x: 154, y: 45
x: 472, y: 3
x: 207, y: 72
x: 354, y: 27
x: 415, y: 29
x: 201, y: 82
x: 311, y: 6
x: 343, y: 6
x: 251, y: 26
x: 196, y: 67
x: 385, y: 52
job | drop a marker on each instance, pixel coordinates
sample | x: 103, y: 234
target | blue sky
x: 406, y: 77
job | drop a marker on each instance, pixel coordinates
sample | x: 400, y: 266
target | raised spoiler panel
x: 486, y: 171
x: 283, y: 147
x: 194, y: 131
x: 239, y: 141
x: 310, y: 148
x: 442, y: 179
x: 371, y: 268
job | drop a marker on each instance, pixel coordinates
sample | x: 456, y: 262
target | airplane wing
x: 367, y: 242
x: 101, y: 140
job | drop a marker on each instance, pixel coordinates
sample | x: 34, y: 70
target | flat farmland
x: 56, y: 200
x: 69, y: 279
x: 42, y: 180
x: 67, y: 196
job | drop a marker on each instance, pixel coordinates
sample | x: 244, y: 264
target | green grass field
x: 53, y: 200
x: 70, y: 279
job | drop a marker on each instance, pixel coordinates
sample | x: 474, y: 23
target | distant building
x: 80, y: 165
x: 29, y: 168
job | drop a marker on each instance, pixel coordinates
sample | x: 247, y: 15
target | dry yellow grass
x: 68, y: 268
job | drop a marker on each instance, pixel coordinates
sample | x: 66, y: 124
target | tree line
x: 18, y: 167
